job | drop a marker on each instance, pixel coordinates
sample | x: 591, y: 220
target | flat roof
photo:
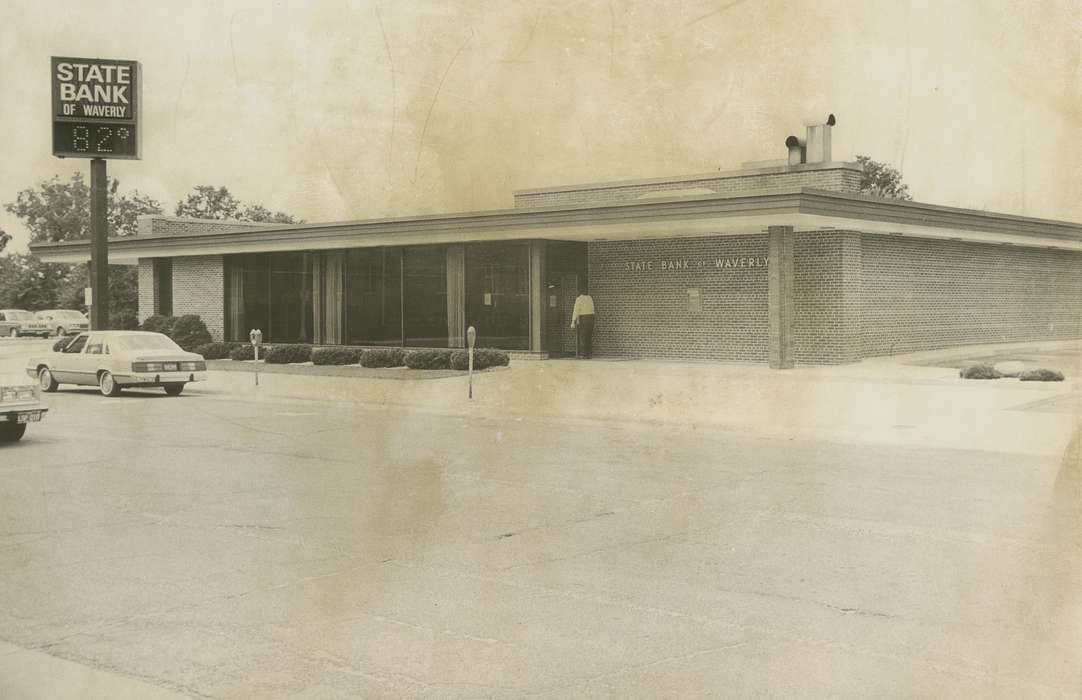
x: 755, y: 170
x: 803, y: 208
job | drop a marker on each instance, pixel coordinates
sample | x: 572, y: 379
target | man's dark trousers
x: 586, y: 336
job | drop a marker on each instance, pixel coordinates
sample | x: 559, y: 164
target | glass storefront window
x: 498, y: 294
x: 422, y: 296
x: 425, y: 296
x: 290, y: 296
x: 374, y: 296
x: 255, y: 281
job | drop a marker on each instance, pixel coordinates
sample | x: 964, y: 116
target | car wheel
x: 174, y: 389
x: 10, y: 432
x: 60, y: 331
x: 108, y: 385
x: 14, y: 333
x: 46, y: 380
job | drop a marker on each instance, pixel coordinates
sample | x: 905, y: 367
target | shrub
x: 285, y: 354
x: 1040, y: 375
x: 215, y: 351
x: 483, y: 358
x: 123, y: 321
x: 383, y: 357
x: 336, y: 356
x: 979, y: 372
x: 429, y: 358
x: 489, y: 357
x: 159, y: 324
x: 189, y: 331
x: 245, y: 352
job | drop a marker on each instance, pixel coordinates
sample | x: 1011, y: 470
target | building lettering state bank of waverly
x: 780, y: 262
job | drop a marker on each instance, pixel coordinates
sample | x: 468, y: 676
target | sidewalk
x: 889, y: 401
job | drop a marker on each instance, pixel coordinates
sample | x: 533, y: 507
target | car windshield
x: 146, y: 342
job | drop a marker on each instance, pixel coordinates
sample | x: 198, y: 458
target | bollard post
x: 471, y: 338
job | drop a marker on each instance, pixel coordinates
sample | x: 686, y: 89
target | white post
x: 471, y: 337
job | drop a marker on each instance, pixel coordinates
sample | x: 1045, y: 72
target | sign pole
x: 99, y: 245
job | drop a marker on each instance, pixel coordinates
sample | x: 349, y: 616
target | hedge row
x: 336, y: 356
x: 422, y: 358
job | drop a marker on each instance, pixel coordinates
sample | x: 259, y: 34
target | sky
x: 335, y: 110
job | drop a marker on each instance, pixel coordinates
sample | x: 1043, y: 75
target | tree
x: 4, y: 238
x: 258, y: 213
x: 28, y: 283
x: 54, y: 210
x: 881, y: 180
x: 60, y: 211
x: 210, y: 202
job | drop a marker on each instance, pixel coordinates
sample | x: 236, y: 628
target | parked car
x: 20, y: 404
x: 64, y: 321
x: 16, y: 322
x: 116, y: 360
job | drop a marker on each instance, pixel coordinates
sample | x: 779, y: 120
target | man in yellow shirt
x: 582, y: 317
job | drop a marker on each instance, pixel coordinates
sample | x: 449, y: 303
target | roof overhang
x: 804, y: 209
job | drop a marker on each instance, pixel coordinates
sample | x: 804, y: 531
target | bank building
x: 782, y: 262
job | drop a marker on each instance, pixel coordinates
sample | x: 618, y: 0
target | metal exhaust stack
x: 796, y: 150
x: 815, y: 148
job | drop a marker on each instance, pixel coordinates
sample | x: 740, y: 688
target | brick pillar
x: 780, y: 296
x: 537, y: 294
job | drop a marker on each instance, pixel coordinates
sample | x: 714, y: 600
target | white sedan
x: 115, y: 360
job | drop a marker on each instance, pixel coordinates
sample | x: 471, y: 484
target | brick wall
x: 826, y: 294
x: 645, y: 312
x: 925, y: 294
x: 158, y: 224
x: 148, y: 292
x: 838, y: 177
x: 199, y: 288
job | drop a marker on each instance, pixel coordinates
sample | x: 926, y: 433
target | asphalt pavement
x: 312, y: 538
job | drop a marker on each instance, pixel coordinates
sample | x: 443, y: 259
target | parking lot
x: 236, y: 544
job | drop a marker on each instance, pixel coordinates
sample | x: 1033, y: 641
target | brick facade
x: 826, y: 295
x: 926, y: 294
x: 161, y: 225
x: 838, y: 177
x: 647, y: 312
x: 199, y: 288
x: 148, y: 291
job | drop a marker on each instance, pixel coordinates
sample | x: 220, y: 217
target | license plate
x: 170, y: 367
x: 28, y: 417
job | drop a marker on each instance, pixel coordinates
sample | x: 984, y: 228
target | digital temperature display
x: 94, y: 140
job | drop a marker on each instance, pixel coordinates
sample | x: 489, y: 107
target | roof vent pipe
x: 796, y: 150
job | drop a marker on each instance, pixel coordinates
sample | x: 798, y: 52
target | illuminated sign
x: 96, y: 105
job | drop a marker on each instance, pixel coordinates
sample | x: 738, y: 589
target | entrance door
x: 560, y: 300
